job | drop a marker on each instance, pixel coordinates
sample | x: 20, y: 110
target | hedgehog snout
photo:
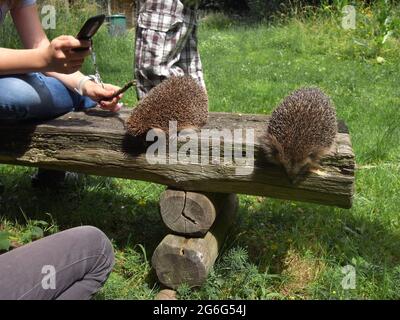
x: 296, y: 169
x: 292, y: 173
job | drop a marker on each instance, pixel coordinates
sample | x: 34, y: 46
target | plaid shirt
x: 166, y: 43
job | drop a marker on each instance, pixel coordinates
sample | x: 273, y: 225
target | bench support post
x: 180, y: 259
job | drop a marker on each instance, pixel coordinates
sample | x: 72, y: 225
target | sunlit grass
x: 278, y: 249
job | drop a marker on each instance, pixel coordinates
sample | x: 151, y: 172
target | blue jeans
x: 34, y: 96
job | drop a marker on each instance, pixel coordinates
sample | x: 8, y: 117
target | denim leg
x: 34, y: 96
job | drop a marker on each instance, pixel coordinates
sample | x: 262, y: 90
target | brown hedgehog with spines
x: 300, y: 132
x: 179, y: 99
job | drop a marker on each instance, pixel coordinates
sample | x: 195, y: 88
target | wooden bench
x: 95, y: 143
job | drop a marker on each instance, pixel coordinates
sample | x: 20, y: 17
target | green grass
x: 278, y: 249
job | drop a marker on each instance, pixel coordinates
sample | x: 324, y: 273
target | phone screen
x: 90, y: 28
x: 93, y: 29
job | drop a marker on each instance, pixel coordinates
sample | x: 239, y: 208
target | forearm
x: 69, y: 80
x: 21, y: 61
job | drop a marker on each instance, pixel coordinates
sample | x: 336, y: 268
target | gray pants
x: 70, y: 265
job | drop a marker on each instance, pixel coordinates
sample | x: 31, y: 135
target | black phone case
x: 89, y: 29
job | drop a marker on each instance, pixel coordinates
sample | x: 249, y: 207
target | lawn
x: 277, y: 249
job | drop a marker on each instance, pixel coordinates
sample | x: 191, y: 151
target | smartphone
x: 89, y: 29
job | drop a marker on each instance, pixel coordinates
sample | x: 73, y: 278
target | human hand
x: 60, y: 57
x: 102, y: 95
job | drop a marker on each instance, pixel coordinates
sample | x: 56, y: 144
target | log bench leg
x: 190, y: 213
x: 179, y: 259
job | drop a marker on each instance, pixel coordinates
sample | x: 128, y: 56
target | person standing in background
x: 166, y: 42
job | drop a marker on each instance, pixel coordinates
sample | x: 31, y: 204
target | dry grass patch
x: 299, y: 273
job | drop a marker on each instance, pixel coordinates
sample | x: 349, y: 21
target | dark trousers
x: 70, y: 265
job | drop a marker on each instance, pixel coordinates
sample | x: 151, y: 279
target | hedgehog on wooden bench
x: 300, y: 132
x: 179, y: 99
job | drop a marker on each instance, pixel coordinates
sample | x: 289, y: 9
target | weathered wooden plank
x: 95, y: 143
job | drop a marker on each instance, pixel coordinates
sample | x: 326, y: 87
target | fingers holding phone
x: 61, y: 55
x: 66, y: 54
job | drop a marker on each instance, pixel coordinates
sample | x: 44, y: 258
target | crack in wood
x: 191, y: 220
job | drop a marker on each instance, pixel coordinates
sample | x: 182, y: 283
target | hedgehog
x: 179, y: 99
x: 301, y: 131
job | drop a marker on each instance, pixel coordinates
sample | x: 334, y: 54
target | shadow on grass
x: 127, y: 220
x: 338, y: 237
x: 93, y: 201
x: 267, y: 228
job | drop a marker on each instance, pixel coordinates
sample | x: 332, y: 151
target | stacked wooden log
x: 198, y: 224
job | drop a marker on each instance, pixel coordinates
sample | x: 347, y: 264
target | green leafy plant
x: 34, y: 229
x: 376, y: 25
x: 5, y: 243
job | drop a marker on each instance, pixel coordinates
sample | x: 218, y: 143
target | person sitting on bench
x: 43, y: 80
